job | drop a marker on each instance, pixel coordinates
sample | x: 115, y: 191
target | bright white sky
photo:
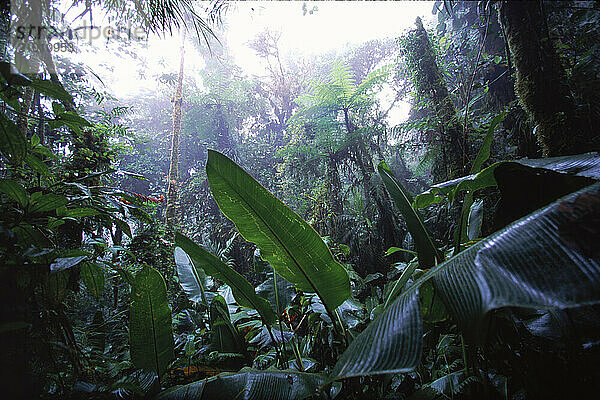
x: 131, y: 71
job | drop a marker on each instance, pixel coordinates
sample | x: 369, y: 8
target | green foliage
x: 292, y: 247
x: 224, y: 336
x: 426, y: 250
x: 150, y: 331
x: 242, y: 290
x: 191, y: 278
x: 92, y: 276
x: 502, y: 270
x: 252, y: 384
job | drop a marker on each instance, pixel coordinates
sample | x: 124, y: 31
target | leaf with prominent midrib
x: 548, y: 259
x: 279, y: 296
x: 191, y: 278
x: 582, y: 165
x: 243, y: 292
x: 92, y: 276
x: 427, y: 252
x: 390, y: 344
x: 292, y: 247
x: 251, y: 384
x: 224, y: 337
x: 150, y: 331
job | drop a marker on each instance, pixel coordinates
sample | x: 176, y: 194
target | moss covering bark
x: 541, y: 84
x: 429, y: 83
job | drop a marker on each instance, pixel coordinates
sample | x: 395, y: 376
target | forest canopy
x: 290, y: 200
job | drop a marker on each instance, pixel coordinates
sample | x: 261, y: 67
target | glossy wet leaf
x: 278, y: 296
x: 191, y: 278
x: 582, y: 165
x: 548, y: 259
x: 427, y: 252
x: 150, y: 331
x: 390, y: 344
x: 46, y: 202
x: 223, y: 335
x: 15, y: 191
x: 242, y: 290
x: 292, y: 247
x: 93, y: 278
x: 250, y: 384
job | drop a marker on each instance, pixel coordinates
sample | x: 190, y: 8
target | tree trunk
x: 334, y: 190
x: 386, y: 223
x: 541, y: 83
x: 170, y: 217
x: 429, y: 82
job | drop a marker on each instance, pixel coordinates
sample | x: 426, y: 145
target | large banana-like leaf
x: 292, y: 247
x: 243, y: 292
x: 280, y: 295
x: 427, y: 252
x: 150, y: 331
x: 250, y: 384
x: 582, y: 165
x: 191, y: 278
x: 548, y: 259
x: 391, y: 343
x: 224, y: 337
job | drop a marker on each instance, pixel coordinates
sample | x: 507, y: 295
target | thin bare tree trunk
x: 170, y: 217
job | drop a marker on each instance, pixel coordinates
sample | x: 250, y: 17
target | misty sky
x: 130, y: 70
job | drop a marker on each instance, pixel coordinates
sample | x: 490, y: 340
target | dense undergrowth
x: 313, y: 251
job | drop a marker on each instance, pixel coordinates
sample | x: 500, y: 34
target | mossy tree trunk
x: 387, y: 225
x: 170, y: 217
x: 541, y: 83
x: 429, y: 83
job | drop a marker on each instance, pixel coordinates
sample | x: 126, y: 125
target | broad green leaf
x: 400, y: 283
x: 475, y: 220
x: 132, y: 174
x: 542, y: 261
x: 243, y: 291
x: 123, y: 225
x: 280, y: 295
x: 150, y: 331
x: 191, y: 278
x: 74, y: 118
x: 92, y: 276
x: 46, y: 202
x: 52, y: 90
x: 292, y: 247
x: 390, y: 344
x: 224, y: 337
x: 252, y: 384
x: 427, y: 252
x: 37, y: 165
x: 432, y: 307
x: 81, y: 212
x: 12, y: 142
x: 484, y: 150
x: 462, y: 234
x: 15, y: 191
x: 66, y: 262
x: 351, y: 313
x: 394, y: 250
x: 57, y: 286
x: 585, y: 165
